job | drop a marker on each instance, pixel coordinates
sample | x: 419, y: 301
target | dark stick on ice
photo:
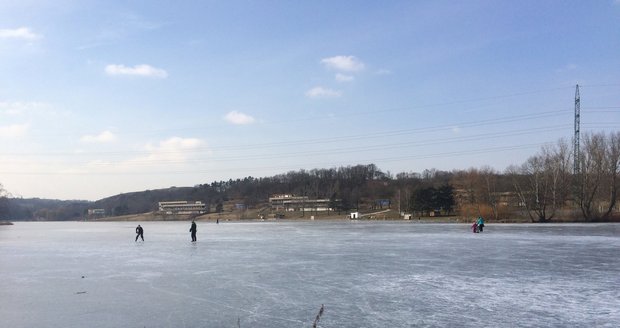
x: 318, y: 316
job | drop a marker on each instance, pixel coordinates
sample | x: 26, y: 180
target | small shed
x: 354, y: 215
x: 434, y: 213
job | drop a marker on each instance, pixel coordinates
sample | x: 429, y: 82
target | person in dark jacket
x: 193, y: 230
x: 139, y: 233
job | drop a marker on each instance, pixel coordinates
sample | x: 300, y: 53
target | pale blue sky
x: 103, y: 97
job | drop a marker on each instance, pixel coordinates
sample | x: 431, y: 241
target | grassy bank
x: 255, y: 215
x: 249, y: 215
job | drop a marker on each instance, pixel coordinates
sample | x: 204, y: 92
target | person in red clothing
x: 474, y: 227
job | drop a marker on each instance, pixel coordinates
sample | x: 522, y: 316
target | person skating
x: 139, y: 233
x: 474, y: 227
x: 480, y: 223
x: 193, y: 231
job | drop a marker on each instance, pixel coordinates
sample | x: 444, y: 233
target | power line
x: 326, y: 140
x: 133, y: 164
x: 358, y: 112
x: 365, y: 148
x: 292, y: 166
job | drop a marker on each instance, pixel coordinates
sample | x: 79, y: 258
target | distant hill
x: 22, y: 209
x: 360, y: 187
x: 146, y: 201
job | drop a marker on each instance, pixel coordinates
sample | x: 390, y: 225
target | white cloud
x: 176, y: 143
x: 344, y: 78
x: 174, y: 149
x: 238, y: 118
x: 14, y: 131
x: 22, y: 33
x: 138, y: 70
x: 20, y: 107
x: 456, y: 130
x: 320, y: 92
x: 163, y: 156
x: 343, y: 63
x: 103, y: 137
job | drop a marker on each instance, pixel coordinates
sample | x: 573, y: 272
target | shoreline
x: 446, y: 220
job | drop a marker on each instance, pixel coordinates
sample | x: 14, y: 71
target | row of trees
x: 548, y: 183
x: 351, y: 185
x: 544, y: 187
x: 4, y: 202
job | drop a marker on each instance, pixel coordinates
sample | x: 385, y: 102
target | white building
x: 292, y: 203
x: 96, y: 212
x: 182, y: 207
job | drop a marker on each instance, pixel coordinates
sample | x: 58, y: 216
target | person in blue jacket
x: 480, y: 223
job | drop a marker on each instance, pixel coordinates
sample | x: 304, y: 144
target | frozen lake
x: 267, y: 274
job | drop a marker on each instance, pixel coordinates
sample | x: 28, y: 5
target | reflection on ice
x: 367, y: 274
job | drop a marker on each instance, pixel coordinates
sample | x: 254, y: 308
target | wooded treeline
x: 542, y: 188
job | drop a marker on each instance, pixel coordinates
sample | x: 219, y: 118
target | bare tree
x: 4, y: 202
x: 542, y: 182
x: 468, y: 195
x: 477, y: 190
x: 598, y: 181
x: 488, y: 177
x: 613, y: 165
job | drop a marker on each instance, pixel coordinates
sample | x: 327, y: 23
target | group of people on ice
x: 192, y: 230
x: 478, y: 225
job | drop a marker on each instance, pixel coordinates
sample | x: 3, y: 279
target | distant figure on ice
x: 139, y: 233
x: 193, y: 230
x: 474, y: 227
x: 480, y: 223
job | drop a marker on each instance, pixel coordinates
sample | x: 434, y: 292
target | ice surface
x: 277, y: 274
